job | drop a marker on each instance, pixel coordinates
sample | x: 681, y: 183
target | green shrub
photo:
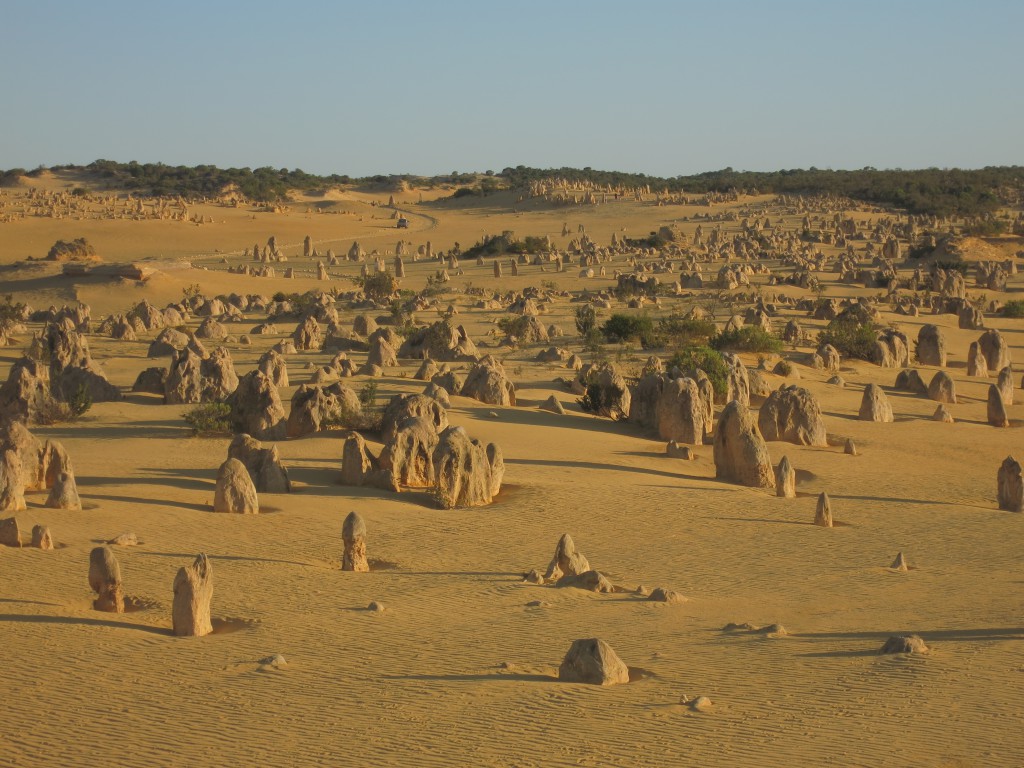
x: 11, y: 312
x: 368, y: 394
x: 514, y: 326
x: 619, y: 328
x: 586, y: 319
x: 1013, y: 309
x: 379, y: 287
x: 749, y: 338
x: 709, y: 360
x: 850, y: 337
x: 598, y: 399
x: 53, y: 411
x: 209, y: 418
x: 363, y: 419
x: 677, y: 331
x: 79, y: 401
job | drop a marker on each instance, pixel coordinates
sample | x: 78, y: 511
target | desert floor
x: 459, y: 669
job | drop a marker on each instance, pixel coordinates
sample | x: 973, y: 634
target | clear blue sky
x: 663, y: 88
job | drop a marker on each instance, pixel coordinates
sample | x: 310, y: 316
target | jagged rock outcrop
x: 402, y: 407
x: 680, y: 412
x: 360, y: 467
x: 72, y: 369
x: 273, y: 364
x: 488, y: 383
x: 606, y: 391
x: 567, y: 560
x: 792, y: 414
x: 996, y: 409
x: 874, y: 405
x: 942, y: 389
x: 193, y: 592
x: 592, y: 661
x: 105, y: 581
x: 741, y: 455
x: 995, y: 349
x: 235, y: 491
x: 931, y: 346
x: 737, y: 381
x: 64, y: 493
x: 823, y: 511
x: 1010, y: 485
x: 307, y: 336
x: 462, y: 471
x: 314, y: 408
x: 977, y: 365
x: 441, y: 341
x: 256, y: 408
x: 353, y: 536
x: 909, y: 380
x: 785, y: 479
x: 12, y: 483
x: 196, y: 379
x: 24, y: 394
x: 264, y: 466
x: 408, y: 453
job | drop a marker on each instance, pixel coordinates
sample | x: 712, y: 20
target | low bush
x: 709, y: 360
x: 1013, y: 309
x: 749, y: 338
x: 619, y: 328
x: 209, y: 419
x: 850, y: 337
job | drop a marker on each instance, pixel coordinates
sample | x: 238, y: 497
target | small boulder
x: 874, y: 405
x: 904, y: 644
x: 566, y: 561
x: 64, y: 494
x: 41, y: 537
x: 235, y: 491
x: 592, y: 661
x: 942, y: 389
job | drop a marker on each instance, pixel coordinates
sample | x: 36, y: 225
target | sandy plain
x: 459, y: 670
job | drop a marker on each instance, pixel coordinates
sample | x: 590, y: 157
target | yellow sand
x: 458, y: 671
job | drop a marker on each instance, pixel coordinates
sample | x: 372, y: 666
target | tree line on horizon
x: 933, y: 191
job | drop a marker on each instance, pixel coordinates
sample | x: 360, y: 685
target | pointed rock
x: 10, y: 533
x: 41, y: 537
x: 105, y: 581
x: 64, y: 494
x: 193, y: 591
x: 1010, y: 485
x: 594, y: 662
x: 566, y: 561
x: 823, y: 512
x: 785, y: 479
x: 235, y: 490
x: 996, y: 408
x: 353, y: 535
